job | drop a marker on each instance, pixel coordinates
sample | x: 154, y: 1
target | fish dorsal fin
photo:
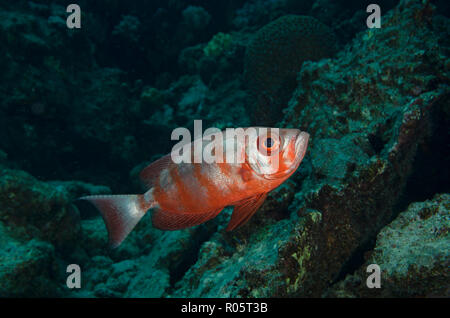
x: 165, y: 220
x: 245, y: 209
x: 153, y: 170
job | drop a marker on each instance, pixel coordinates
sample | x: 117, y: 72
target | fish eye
x: 268, y: 142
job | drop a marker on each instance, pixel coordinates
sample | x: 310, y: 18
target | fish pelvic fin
x: 121, y: 213
x: 245, y: 209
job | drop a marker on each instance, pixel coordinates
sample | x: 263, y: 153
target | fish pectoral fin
x: 166, y: 220
x: 245, y: 209
x: 153, y: 170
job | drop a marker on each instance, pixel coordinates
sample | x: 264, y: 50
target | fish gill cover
x: 83, y: 111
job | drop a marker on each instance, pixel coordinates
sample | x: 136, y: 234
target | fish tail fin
x: 121, y: 213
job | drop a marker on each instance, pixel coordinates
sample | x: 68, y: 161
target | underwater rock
x: 412, y: 253
x: 246, y: 272
x: 34, y: 209
x: 94, y: 236
x: 40, y: 231
x: 118, y: 279
x: 348, y: 17
x: 152, y: 283
x: 77, y: 189
x: 171, y: 254
x: 274, y: 57
x: 25, y: 268
x: 333, y: 158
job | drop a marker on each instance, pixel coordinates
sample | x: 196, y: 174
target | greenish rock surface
x: 412, y: 253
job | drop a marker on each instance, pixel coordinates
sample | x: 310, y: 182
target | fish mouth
x: 301, y: 144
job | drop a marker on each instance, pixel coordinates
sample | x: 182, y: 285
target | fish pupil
x: 269, y: 142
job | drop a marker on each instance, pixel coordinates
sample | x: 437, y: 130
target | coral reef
x: 98, y: 105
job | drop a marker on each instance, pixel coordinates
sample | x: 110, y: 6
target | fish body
x: 187, y: 194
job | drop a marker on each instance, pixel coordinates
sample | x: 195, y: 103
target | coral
x: 189, y: 58
x: 196, y: 18
x: 128, y: 28
x: 152, y: 96
x: 274, y: 57
x: 195, y: 100
x: 260, y: 12
x: 151, y: 101
x: 219, y: 44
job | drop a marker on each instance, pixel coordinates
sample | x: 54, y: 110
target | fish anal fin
x: 153, y: 170
x: 166, y: 220
x: 245, y: 209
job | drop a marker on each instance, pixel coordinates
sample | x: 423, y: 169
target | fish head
x: 275, y: 153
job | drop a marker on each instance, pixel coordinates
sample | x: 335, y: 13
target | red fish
x: 188, y: 194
